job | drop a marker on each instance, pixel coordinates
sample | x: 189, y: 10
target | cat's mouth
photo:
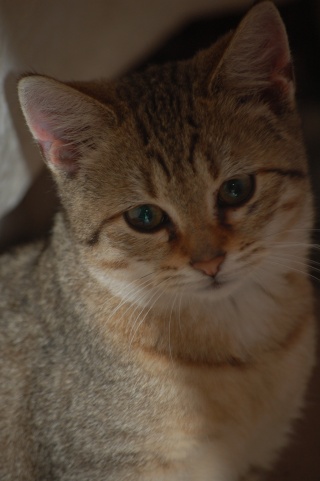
x: 209, y: 284
x: 223, y: 286
x: 215, y: 284
x: 212, y: 284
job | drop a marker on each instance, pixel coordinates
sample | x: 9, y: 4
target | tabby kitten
x: 163, y: 332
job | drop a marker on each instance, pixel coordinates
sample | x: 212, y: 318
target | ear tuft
x: 64, y: 122
x: 258, y: 58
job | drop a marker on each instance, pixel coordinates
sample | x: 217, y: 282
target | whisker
x: 287, y: 231
x: 169, y: 328
x: 137, y: 306
x: 293, y: 269
x: 292, y: 258
x: 139, y: 288
x: 179, y: 314
x: 141, y: 309
x: 146, y: 275
x: 300, y: 262
x: 138, y: 323
x: 296, y: 244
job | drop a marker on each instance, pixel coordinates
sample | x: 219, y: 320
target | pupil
x: 145, y: 215
x: 235, y: 188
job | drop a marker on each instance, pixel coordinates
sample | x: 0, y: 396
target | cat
x: 162, y: 331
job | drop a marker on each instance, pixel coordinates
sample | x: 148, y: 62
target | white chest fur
x: 220, y: 422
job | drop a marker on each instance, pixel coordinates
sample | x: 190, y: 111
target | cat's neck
x: 224, y: 333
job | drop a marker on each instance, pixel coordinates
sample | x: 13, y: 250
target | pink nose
x: 210, y: 267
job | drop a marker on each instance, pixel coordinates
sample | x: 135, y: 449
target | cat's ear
x: 64, y: 122
x: 257, y: 59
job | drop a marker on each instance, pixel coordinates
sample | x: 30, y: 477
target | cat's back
x: 19, y: 338
x: 20, y: 277
x: 17, y: 268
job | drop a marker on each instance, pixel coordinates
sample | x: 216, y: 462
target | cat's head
x: 185, y: 178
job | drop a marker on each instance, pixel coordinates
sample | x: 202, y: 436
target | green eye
x: 237, y: 191
x: 146, y: 218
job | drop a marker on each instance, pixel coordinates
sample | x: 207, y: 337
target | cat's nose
x: 210, y: 267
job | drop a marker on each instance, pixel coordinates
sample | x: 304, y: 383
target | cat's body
x: 179, y: 352
x: 82, y: 403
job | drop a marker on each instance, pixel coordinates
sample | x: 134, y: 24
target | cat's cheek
x: 133, y: 245
x: 102, y: 266
x: 234, y: 216
x: 293, y: 217
x: 295, y: 204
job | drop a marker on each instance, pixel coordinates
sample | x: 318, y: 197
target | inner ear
x: 257, y: 60
x: 57, y: 147
x: 65, y: 123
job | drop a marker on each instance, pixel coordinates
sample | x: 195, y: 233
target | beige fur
x: 121, y: 359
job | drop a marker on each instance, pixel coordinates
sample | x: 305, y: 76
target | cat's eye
x: 146, y: 218
x: 236, y: 191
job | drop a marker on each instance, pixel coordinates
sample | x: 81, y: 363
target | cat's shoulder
x: 17, y: 268
x: 21, y: 257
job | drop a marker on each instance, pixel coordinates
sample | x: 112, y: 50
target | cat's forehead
x: 161, y: 98
x: 164, y: 114
x: 186, y: 132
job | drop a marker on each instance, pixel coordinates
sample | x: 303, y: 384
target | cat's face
x: 186, y: 179
x: 203, y: 208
